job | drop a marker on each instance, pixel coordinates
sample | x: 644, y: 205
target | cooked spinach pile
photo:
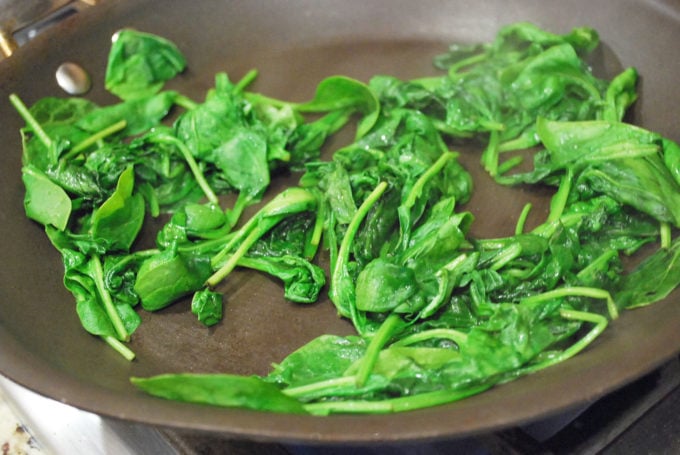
x: 439, y: 314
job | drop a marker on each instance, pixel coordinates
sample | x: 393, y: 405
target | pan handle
x: 21, y: 20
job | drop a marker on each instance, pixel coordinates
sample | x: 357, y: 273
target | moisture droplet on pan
x: 73, y: 79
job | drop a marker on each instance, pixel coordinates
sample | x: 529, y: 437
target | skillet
x: 294, y: 44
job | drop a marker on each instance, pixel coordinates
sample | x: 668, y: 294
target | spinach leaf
x: 337, y: 93
x: 242, y: 157
x: 325, y: 357
x: 139, y: 114
x: 119, y: 219
x: 45, y: 201
x: 290, y: 202
x: 651, y: 281
x: 207, y: 306
x: 140, y: 63
x: 100, y: 308
x: 225, y: 390
x: 169, y: 275
x: 383, y: 286
x: 620, y: 160
x: 302, y: 280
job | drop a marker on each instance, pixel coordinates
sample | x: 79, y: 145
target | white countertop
x: 31, y: 424
x: 15, y: 438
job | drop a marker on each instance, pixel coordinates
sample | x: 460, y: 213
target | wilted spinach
x: 439, y: 314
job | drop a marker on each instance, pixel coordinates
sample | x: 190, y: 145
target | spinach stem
x: 235, y: 238
x: 345, y: 245
x: 378, y: 341
x: 109, y: 306
x: 353, y: 227
x: 506, y: 255
x: 195, y: 170
x: 314, y: 388
x: 312, y: 245
x: 489, y: 157
x: 260, y: 98
x: 185, y: 102
x: 524, y: 141
x: 600, y: 325
x: 290, y: 201
x: 418, y: 187
x: 416, y: 191
x: 456, y: 336
x: 208, y: 244
x: 559, y: 199
x: 547, y: 229
x: 521, y: 221
x: 246, y: 80
x: 508, y: 165
x: 400, y: 404
x: 599, y: 261
x: 119, y: 347
x: 665, y: 234
x: 469, y: 61
x: 94, y: 139
x: 232, y: 261
x: 576, y: 291
x: 233, y: 215
x: 30, y: 120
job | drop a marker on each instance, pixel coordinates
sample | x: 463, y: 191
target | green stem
x: 243, y: 200
x: 524, y: 141
x: 665, y: 233
x: 444, y: 128
x: 456, y: 336
x: 489, y: 157
x: 109, y: 306
x: 559, y: 199
x: 208, y: 245
x: 597, y: 263
x: 193, y: 166
x: 312, y: 245
x: 433, y: 170
x: 522, y: 220
x: 119, y: 347
x: 95, y: 138
x: 30, y: 120
x: 387, y: 329
x: 246, y: 80
x: 508, y: 165
x: 236, y: 237
x: 290, y: 201
x: 232, y: 261
x: 401, y: 404
x: 600, y: 325
x: 576, y: 291
x: 260, y: 98
x: 469, y: 61
x: 335, y: 120
x: 352, y: 228
x: 315, y: 388
x: 506, y: 255
x: 186, y: 102
x: 548, y: 229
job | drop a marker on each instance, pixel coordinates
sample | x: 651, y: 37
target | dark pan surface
x: 295, y: 44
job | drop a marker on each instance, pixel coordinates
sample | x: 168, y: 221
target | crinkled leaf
x: 140, y: 63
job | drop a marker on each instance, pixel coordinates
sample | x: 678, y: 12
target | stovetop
x: 641, y: 418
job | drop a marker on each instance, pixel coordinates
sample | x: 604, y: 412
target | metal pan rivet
x: 73, y: 78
